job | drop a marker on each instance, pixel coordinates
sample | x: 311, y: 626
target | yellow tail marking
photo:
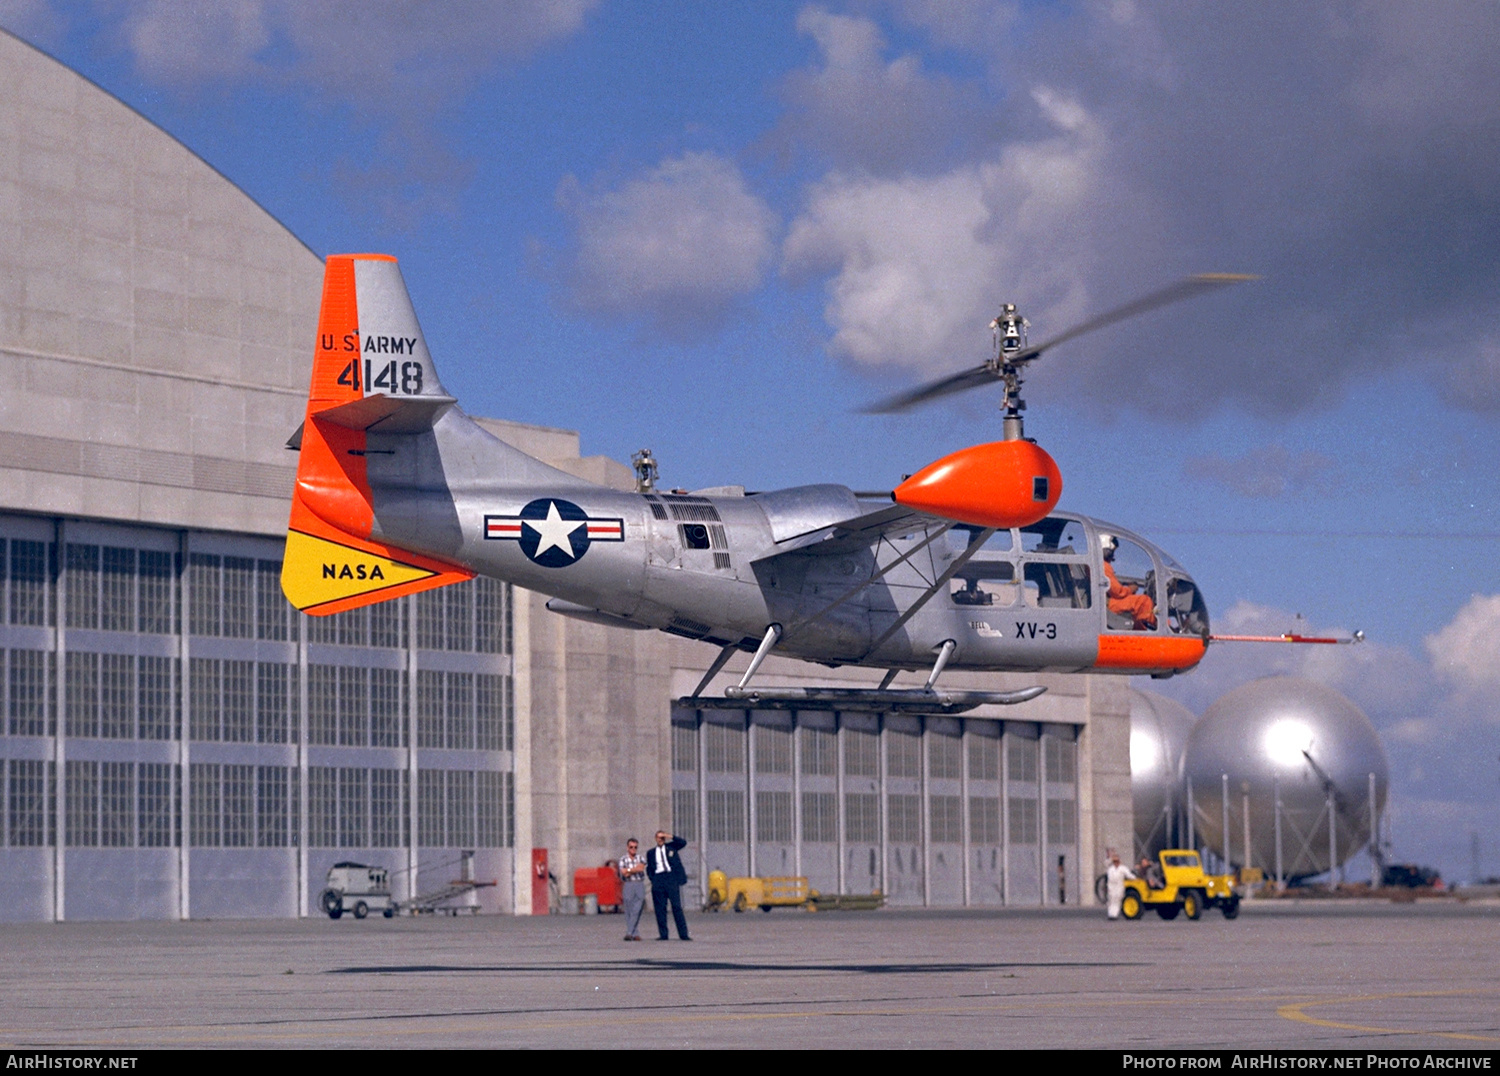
x: 316, y: 571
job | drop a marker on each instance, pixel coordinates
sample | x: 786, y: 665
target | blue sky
x: 718, y: 230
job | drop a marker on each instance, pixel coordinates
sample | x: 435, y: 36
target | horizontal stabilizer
x: 329, y: 573
x: 916, y: 701
x: 388, y: 414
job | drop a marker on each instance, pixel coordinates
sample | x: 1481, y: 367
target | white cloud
x: 861, y: 111
x: 1467, y: 651
x: 676, y: 246
x: 920, y: 264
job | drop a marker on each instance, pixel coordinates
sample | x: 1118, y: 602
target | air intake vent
x: 658, y: 511
x: 688, y: 629
x: 721, y: 560
x: 697, y: 513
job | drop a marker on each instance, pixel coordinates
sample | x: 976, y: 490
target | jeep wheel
x: 1192, y: 904
x: 361, y: 910
x: 1101, y: 889
x: 1169, y: 911
x: 740, y: 903
x: 1231, y: 908
x: 331, y: 903
x: 1130, y: 907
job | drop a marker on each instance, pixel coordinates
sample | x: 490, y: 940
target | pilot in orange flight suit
x: 1123, y: 599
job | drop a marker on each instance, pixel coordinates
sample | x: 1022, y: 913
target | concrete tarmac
x: 1292, y: 975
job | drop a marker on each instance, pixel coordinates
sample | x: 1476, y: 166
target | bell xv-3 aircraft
x: 965, y: 565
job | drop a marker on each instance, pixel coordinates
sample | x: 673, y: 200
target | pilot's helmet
x: 1108, y: 543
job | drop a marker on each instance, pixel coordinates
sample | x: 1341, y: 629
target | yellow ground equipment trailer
x: 763, y: 893
x: 1184, y: 888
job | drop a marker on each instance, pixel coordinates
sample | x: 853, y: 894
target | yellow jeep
x: 1186, y: 889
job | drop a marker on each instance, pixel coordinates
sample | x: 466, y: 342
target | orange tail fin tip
x: 332, y: 563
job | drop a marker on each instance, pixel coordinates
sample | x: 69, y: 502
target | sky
x: 719, y: 231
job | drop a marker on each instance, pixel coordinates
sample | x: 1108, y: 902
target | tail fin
x: 371, y: 370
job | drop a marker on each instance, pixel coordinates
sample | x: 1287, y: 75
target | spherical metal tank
x: 1159, y: 730
x: 1297, y: 740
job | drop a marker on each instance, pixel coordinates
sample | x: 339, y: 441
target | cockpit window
x: 1187, y: 614
x: 960, y: 537
x: 1060, y: 585
x: 1131, y: 575
x: 1054, y: 535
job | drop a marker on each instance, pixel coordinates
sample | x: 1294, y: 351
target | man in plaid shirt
x: 633, y: 887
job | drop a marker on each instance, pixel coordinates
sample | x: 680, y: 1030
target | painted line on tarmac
x: 1294, y: 1012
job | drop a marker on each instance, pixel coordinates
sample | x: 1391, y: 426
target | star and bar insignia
x: 554, y: 533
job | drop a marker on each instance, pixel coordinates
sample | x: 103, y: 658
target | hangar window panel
x: 275, y: 692
x: 239, y: 806
x: 984, y: 758
x: 322, y: 629
x: 204, y: 600
x: 83, y: 803
x: 1022, y: 759
x: 322, y: 704
x: 684, y: 813
x: 204, y: 676
x: 204, y: 805
x: 272, y: 619
x: 1061, y: 822
x: 509, y: 686
x: 387, y: 621
x: 32, y: 802
x: 861, y: 817
x: 351, y: 627
x: 819, y: 751
x: 1023, y: 820
x: 820, y: 817
x: 117, y: 599
x: 31, y: 693
x: 861, y: 753
x: 354, y: 813
x: 724, y: 748
x: 82, y: 584
x: 1062, y: 760
x: 28, y: 582
x: 239, y: 598
x: 490, y: 615
x: 945, y: 756
x: 354, y: 706
x: 773, y: 749
x: 905, y: 814
x: 430, y: 629
x: 117, y: 804
x: 460, y: 693
x: 156, y: 806
x: 903, y: 754
x: 117, y: 682
x: 726, y: 815
x: 156, y: 686
x: 387, y: 707
x: 684, y: 748
x: 984, y: 820
x: 773, y: 817
x: 272, y: 788
x: 489, y: 711
x: 461, y: 808
x: 947, y: 819
x: 322, y: 807
x: 430, y: 829
x: 491, y: 810
x: 460, y: 634
x: 510, y: 811
x: 239, y: 701
x: 429, y: 708
x: 82, y: 694
x: 157, y: 607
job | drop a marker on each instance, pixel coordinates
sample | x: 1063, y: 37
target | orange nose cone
x: 1003, y: 484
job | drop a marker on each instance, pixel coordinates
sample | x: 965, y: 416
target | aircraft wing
x: 858, y: 532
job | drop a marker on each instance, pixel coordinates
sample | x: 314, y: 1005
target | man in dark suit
x: 665, y: 871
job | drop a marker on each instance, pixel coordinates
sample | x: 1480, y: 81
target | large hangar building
x: 176, y: 742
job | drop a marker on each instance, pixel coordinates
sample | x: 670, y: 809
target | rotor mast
x: 1009, y: 330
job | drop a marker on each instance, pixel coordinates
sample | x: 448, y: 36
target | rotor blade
x: 981, y: 375
x: 902, y: 401
x: 1185, y: 288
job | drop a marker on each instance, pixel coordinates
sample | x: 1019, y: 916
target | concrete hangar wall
x: 175, y: 742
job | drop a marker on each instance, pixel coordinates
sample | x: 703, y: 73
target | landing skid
x: 833, y: 698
